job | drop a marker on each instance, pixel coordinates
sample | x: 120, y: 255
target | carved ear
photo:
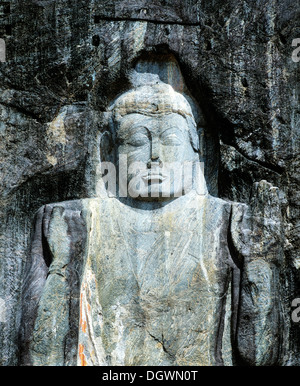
x: 106, y: 147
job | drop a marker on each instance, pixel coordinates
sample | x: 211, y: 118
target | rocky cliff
x: 66, y: 60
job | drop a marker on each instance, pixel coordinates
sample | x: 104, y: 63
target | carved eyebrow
x: 128, y: 132
x: 182, y: 130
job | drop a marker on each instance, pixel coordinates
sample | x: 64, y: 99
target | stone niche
x: 155, y: 269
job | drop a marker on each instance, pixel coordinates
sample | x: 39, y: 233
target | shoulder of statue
x: 219, y: 203
x: 70, y: 205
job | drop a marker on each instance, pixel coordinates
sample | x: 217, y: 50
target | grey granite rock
x: 65, y: 63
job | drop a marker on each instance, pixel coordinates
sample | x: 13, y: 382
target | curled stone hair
x: 154, y: 100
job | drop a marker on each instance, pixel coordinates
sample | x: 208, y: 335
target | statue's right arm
x: 54, y: 261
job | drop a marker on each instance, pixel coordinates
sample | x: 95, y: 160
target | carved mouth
x: 154, y: 177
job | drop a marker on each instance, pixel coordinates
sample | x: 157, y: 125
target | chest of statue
x: 158, y: 278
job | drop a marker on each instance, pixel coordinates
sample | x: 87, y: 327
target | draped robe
x: 112, y: 285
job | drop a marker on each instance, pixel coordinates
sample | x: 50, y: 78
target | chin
x: 154, y: 192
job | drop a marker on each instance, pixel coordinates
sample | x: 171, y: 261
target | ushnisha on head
x: 154, y: 100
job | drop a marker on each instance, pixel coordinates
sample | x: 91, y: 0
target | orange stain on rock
x: 82, y: 356
x: 83, y: 326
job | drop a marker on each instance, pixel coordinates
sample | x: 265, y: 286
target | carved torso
x: 154, y: 283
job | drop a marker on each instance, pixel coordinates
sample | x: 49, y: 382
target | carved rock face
x: 156, y: 148
x: 157, y: 138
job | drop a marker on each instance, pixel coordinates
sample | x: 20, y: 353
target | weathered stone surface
x: 157, y: 266
x: 152, y: 296
x: 67, y: 61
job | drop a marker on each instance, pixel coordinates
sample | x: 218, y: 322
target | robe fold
x: 113, y: 285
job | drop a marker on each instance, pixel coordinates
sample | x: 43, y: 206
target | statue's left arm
x: 257, y: 237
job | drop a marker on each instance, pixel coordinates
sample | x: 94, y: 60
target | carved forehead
x: 152, y: 100
x: 132, y: 123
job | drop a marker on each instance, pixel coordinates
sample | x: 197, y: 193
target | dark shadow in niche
x: 96, y: 40
x: 42, y: 189
x: 8, y: 30
x: 97, y: 19
x: 6, y: 9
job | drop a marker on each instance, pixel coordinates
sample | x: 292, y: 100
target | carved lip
x: 154, y: 176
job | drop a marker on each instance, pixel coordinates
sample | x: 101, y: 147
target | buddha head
x: 156, y: 142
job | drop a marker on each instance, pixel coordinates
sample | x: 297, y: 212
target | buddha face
x: 156, y: 147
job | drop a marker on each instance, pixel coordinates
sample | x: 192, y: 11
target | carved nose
x: 155, y: 150
x: 154, y: 157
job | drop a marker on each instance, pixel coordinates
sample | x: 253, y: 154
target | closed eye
x: 137, y: 140
x: 137, y: 136
x: 170, y: 138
